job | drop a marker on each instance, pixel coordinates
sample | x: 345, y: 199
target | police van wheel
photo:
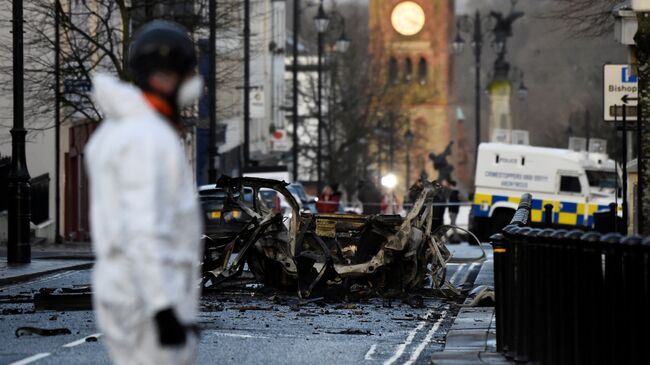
x: 500, y: 219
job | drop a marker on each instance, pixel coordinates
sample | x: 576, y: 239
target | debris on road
x: 61, y: 299
x: 352, y: 331
x: 346, y: 306
x: 414, y: 301
x: 218, y: 307
x: 481, y: 296
x: 12, y: 311
x: 27, y: 331
x: 246, y: 308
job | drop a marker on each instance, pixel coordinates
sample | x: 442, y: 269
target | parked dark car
x: 223, y: 218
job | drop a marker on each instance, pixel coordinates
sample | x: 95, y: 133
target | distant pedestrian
x: 454, y: 208
x: 389, y: 203
x: 145, y: 217
x: 454, y: 201
x: 327, y: 201
x: 338, y: 196
x: 440, y: 204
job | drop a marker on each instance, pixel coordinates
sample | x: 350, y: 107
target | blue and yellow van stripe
x: 564, y: 212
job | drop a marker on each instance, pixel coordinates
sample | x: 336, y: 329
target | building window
x: 408, y: 71
x: 392, y: 70
x: 422, y: 71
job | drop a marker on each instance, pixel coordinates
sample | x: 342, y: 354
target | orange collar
x: 159, y: 104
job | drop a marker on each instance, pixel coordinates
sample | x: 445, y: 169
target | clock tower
x: 409, y: 53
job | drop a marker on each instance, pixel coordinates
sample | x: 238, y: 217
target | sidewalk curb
x: 22, y: 278
x: 472, y: 336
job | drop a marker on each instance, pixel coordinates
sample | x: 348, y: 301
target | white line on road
x: 37, y: 357
x: 39, y: 280
x: 458, y: 271
x: 370, y: 352
x: 239, y: 335
x: 427, y: 339
x: 400, y: 349
x: 81, y: 341
x: 31, y: 359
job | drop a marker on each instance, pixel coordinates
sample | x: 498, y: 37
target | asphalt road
x: 252, y: 326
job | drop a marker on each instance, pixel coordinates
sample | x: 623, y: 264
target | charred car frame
x: 387, y: 254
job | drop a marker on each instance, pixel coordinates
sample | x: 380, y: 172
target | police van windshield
x: 602, y: 179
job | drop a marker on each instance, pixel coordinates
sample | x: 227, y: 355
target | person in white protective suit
x: 145, y: 219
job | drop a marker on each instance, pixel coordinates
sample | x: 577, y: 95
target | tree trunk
x: 642, y: 40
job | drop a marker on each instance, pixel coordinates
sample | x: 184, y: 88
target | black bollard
x: 500, y: 249
x: 547, y: 294
x: 558, y: 342
x: 633, y: 282
x: 532, y: 277
x: 645, y: 289
x: 573, y: 291
x: 548, y: 215
x: 509, y: 319
x: 591, y: 279
x: 521, y: 293
x: 612, y: 295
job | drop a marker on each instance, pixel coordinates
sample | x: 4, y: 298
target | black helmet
x: 160, y: 45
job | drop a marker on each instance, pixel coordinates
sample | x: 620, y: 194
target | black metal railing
x: 570, y: 296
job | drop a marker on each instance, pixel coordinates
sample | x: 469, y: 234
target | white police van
x: 576, y: 184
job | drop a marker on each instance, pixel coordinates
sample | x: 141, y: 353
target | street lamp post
x: 19, y: 213
x: 391, y: 143
x: 294, y: 72
x: 501, y: 31
x: 322, y: 22
x: 247, y: 88
x: 212, y: 91
x: 340, y: 45
x: 477, y: 47
x: 477, y: 43
x: 57, y: 121
x: 379, y: 132
x: 408, y: 137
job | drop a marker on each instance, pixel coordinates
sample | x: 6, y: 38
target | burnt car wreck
x: 386, y: 254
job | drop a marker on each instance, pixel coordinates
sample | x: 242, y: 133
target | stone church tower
x: 410, y: 55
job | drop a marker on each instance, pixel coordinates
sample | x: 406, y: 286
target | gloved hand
x: 170, y: 331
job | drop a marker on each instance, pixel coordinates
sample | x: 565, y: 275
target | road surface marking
x: 31, y: 359
x: 458, y: 271
x: 427, y: 339
x: 37, y: 357
x: 469, y: 271
x: 239, y: 335
x: 370, y: 352
x: 39, y: 280
x: 81, y: 341
x: 400, y: 349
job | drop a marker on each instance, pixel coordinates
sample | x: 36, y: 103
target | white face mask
x: 190, y: 91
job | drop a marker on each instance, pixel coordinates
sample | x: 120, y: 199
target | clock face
x: 407, y: 18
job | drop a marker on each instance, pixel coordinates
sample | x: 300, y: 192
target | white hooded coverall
x: 145, y: 224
